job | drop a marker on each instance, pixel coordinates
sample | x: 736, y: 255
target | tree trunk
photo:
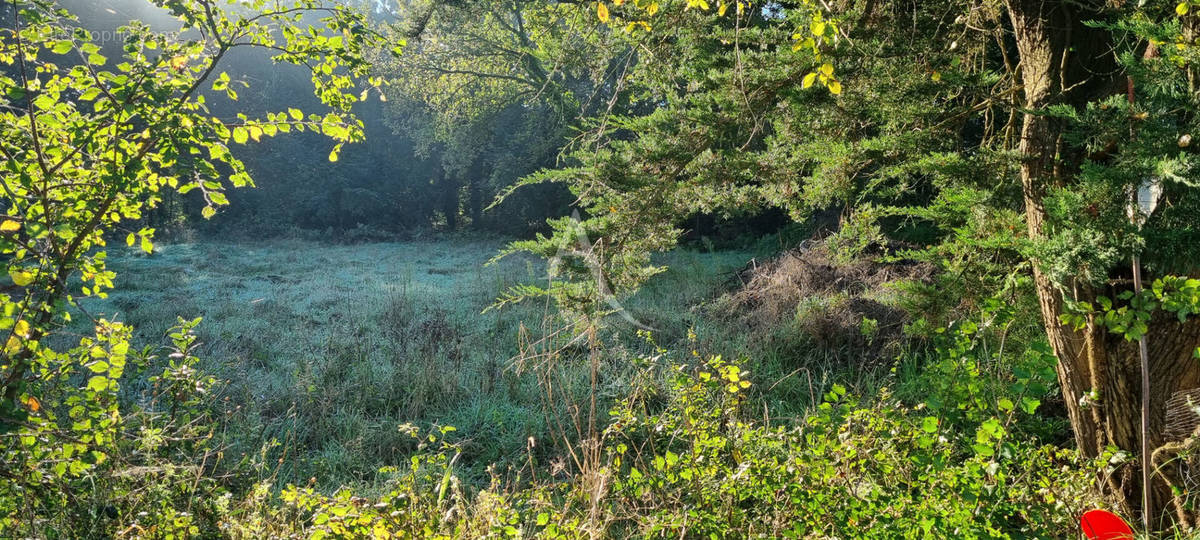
x: 450, y: 205
x: 1099, y: 372
x: 475, y: 195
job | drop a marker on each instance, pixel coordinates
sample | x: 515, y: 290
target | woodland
x: 600, y: 269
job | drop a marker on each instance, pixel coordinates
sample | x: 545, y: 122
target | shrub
x: 695, y: 465
x: 98, y: 459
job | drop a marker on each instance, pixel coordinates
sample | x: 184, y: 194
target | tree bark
x: 1099, y: 372
x: 448, y: 191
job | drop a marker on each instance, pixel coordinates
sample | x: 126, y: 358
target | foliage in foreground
x: 92, y: 469
x: 691, y: 461
x: 682, y: 455
x: 90, y: 144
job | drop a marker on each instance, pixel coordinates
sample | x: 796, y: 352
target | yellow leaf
x: 13, y: 346
x: 1182, y: 9
x: 618, y: 2
x: 9, y: 226
x: 835, y: 87
x: 808, y: 80
x: 721, y: 9
x: 602, y: 12
x: 652, y: 8
x: 21, y: 329
x: 827, y: 69
x: 937, y: 76
x: 818, y: 28
x: 21, y: 278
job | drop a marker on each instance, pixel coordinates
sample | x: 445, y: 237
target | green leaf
x: 97, y: 383
x: 147, y: 245
x: 240, y: 135
x: 62, y: 47
x: 296, y: 114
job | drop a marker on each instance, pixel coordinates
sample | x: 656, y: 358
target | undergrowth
x: 699, y: 437
x: 689, y: 460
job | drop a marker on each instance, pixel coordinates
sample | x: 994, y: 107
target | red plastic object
x: 1105, y: 525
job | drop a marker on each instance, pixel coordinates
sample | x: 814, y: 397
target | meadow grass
x: 326, y: 349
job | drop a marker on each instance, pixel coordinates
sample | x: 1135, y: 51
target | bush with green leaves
x: 91, y: 143
x: 691, y: 460
x: 853, y: 469
x: 107, y: 459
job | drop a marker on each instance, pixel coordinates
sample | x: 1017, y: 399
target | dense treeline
x: 443, y: 142
x: 404, y: 178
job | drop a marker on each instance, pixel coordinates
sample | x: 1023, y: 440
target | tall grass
x: 325, y: 349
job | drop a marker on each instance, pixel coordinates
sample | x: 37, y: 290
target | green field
x: 326, y: 349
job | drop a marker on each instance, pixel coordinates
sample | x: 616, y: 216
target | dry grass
x: 848, y: 307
